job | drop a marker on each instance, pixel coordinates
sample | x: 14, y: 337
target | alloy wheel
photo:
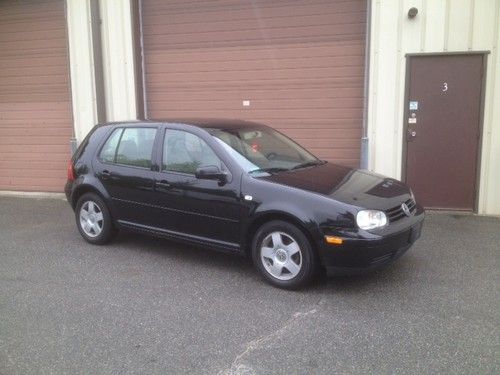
x: 281, y: 255
x: 91, y: 219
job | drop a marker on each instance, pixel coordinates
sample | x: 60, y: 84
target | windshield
x: 263, y: 150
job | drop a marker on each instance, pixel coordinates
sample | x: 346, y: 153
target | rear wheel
x: 93, y: 219
x: 284, y: 255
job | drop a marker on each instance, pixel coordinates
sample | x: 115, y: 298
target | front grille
x: 396, y: 213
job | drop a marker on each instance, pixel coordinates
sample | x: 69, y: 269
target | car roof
x: 207, y: 123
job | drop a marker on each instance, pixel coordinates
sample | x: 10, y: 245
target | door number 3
x: 445, y: 86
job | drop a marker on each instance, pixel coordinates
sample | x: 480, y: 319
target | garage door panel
x: 189, y: 39
x: 16, y: 131
x: 31, y: 172
x: 47, y: 150
x: 323, y: 133
x: 50, y: 140
x: 27, y: 114
x: 275, y: 104
x: 29, y: 183
x: 41, y: 79
x: 213, y: 11
x: 256, y: 75
x: 34, y: 53
x: 322, y: 21
x: 35, y: 165
x: 299, y: 63
x: 20, y: 8
x: 289, y: 125
x: 325, y: 94
x: 248, y: 39
x: 255, y: 53
x: 26, y: 35
x: 257, y: 63
x: 58, y: 107
x: 29, y: 157
x: 15, y: 27
x: 32, y: 46
x: 341, y: 153
x: 27, y: 93
x: 290, y: 83
x: 16, y: 62
x: 35, y: 110
x: 25, y: 14
x: 271, y: 114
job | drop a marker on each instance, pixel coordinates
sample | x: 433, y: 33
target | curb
x: 32, y: 194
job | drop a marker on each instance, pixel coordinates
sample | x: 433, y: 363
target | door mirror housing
x: 211, y: 172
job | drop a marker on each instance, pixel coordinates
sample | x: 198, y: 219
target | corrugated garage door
x: 35, y: 112
x: 299, y: 63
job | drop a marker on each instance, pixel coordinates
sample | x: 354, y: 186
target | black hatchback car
x: 239, y: 187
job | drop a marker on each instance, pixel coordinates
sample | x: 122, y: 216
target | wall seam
x: 106, y: 47
x: 125, y: 59
x: 487, y: 127
x: 397, y: 118
x: 97, y: 61
x: 471, y: 25
x: 423, y: 26
x: 446, y: 25
x: 374, y: 32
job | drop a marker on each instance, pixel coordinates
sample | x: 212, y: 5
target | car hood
x: 352, y: 186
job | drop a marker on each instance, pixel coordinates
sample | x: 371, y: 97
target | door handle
x: 163, y: 184
x: 105, y: 174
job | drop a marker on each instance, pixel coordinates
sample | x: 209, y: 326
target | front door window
x: 185, y: 152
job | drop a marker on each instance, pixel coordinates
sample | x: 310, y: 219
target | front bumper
x: 361, y: 255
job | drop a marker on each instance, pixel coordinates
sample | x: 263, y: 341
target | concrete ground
x: 147, y: 306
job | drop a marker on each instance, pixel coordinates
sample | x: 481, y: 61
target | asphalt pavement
x: 143, y: 305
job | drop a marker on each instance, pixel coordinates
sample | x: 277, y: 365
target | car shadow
x: 177, y: 251
x: 394, y: 276
x: 391, y: 276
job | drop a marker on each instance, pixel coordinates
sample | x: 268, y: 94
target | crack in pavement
x: 238, y: 368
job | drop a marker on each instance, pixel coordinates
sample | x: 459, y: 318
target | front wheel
x: 283, y: 255
x: 93, y: 219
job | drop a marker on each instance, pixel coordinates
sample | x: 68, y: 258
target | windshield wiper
x: 311, y: 163
x: 270, y: 170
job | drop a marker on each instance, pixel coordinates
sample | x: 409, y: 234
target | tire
x: 283, y: 255
x: 93, y: 219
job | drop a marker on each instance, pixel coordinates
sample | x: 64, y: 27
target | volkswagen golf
x: 239, y: 187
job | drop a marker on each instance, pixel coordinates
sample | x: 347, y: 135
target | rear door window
x: 129, y: 146
x: 136, y: 147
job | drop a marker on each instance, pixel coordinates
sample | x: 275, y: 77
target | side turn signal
x: 333, y: 240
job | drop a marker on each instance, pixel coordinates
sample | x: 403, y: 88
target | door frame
x: 406, y: 112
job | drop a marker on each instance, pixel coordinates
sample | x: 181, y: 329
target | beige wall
x: 118, y: 59
x: 118, y: 63
x: 81, y: 61
x: 440, y: 26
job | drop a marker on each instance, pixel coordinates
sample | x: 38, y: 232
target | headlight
x: 371, y: 219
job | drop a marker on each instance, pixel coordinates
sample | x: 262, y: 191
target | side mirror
x: 211, y: 172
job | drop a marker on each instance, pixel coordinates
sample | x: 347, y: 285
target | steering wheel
x: 271, y: 156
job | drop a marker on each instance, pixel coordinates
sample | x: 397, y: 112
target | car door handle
x: 163, y: 184
x: 105, y: 174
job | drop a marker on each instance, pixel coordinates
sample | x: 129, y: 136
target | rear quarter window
x: 108, y: 151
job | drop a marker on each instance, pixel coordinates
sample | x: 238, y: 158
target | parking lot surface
x: 143, y: 305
